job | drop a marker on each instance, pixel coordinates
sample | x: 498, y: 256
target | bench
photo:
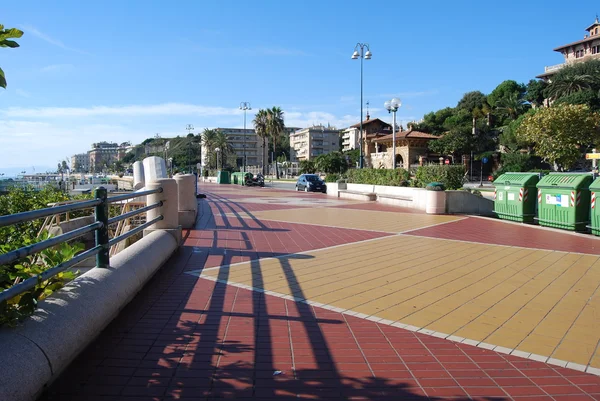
x: 395, y: 200
x: 357, y: 195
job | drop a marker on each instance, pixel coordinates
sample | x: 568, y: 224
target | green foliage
x: 575, y: 78
x: 535, y: 92
x: 451, y: 176
x: 473, y: 103
x: 514, y: 162
x: 560, y: 133
x: 333, y: 162
x: 508, y: 137
x: 433, y: 122
x: 589, y: 97
x: 332, y: 177
x: 353, y: 156
x: 506, y: 89
x: 5, y: 36
x: 16, y: 309
x: 392, y: 177
x: 307, y: 167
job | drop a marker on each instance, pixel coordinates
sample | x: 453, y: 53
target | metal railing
x: 99, y: 227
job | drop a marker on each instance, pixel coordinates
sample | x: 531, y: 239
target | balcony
x: 554, y: 68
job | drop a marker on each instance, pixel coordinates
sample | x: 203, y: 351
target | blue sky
x: 126, y: 70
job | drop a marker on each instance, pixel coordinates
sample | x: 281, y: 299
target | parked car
x: 310, y: 183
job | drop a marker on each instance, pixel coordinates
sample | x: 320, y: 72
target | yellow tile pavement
x: 538, y: 301
x: 366, y: 220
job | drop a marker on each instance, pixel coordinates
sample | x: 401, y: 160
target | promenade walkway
x: 286, y: 295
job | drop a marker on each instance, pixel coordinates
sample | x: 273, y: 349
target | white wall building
x: 308, y: 143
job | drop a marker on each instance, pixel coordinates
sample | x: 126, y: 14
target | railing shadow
x: 176, y: 341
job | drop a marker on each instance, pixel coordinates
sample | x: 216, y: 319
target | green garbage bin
x: 223, y: 177
x: 514, y: 196
x: 594, y: 211
x: 564, y: 201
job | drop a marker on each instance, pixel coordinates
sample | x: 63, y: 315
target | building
x: 80, y: 163
x: 103, y: 154
x: 586, y: 49
x: 308, y: 143
x: 351, y: 135
x: 245, y: 143
x: 411, y: 149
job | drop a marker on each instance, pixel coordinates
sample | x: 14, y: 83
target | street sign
x: 484, y: 160
x: 447, y: 161
x: 590, y: 156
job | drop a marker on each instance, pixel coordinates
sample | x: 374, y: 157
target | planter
x: 436, y: 202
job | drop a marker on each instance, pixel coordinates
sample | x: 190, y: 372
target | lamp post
x: 244, y: 106
x: 217, y: 150
x: 367, y: 56
x: 190, y: 128
x: 392, y: 106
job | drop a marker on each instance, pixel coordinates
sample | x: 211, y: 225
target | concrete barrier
x: 187, y: 202
x: 463, y: 202
x: 36, y: 352
x: 169, y: 210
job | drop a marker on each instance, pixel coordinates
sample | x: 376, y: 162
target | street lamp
x: 367, y: 56
x: 244, y: 106
x: 190, y: 128
x: 217, y: 150
x: 392, y: 106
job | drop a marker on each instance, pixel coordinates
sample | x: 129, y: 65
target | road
x: 285, y: 185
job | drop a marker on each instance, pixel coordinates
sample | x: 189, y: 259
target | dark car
x: 310, y: 183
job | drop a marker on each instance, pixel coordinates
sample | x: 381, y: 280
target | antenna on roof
x: 368, y: 116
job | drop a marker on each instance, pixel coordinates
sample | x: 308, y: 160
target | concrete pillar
x: 169, y: 210
x: 154, y: 168
x: 138, y: 175
x: 188, y: 204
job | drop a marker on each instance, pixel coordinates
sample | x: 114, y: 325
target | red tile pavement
x: 491, y: 231
x: 194, y: 339
x: 380, y: 208
x: 188, y: 338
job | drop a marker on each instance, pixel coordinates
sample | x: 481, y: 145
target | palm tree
x: 260, y: 127
x: 275, y: 128
x: 575, y: 78
x: 222, y: 142
x: 511, y: 105
x: 209, y: 138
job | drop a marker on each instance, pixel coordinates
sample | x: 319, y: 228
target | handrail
x: 119, y: 198
x: 99, y: 227
x: 22, y: 217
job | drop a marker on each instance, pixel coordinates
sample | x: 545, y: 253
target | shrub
x: 451, y: 176
x: 307, y: 167
x: 332, y: 177
x: 397, y: 177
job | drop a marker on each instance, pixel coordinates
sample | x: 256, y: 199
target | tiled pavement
x: 192, y: 338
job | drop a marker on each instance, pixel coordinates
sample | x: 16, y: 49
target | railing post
x: 101, y: 213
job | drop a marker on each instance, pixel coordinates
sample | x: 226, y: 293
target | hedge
x: 451, y: 176
x: 398, y: 177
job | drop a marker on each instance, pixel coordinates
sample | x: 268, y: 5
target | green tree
x: 5, y: 41
x: 260, y: 127
x: 575, y: 78
x: 504, y: 90
x: 209, y: 138
x: 225, y: 148
x: 307, y: 167
x: 535, y: 92
x: 589, y: 97
x: 275, y: 128
x: 333, y: 162
x: 433, y: 122
x: 561, y: 134
x: 472, y: 101
x: 511, y: 106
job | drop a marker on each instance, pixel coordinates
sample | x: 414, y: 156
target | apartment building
x: 103, y: 154
x: 586, y: 49
x: 80, y: 163
x: 308, y: 143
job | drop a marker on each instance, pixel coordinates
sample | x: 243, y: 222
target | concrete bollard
x: 138, y: 175
x: 169, y: 210
x: 188, y: 204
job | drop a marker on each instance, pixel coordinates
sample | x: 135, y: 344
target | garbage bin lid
x: 517, y: 179
x: 566, y: 181
x: 596, y: 184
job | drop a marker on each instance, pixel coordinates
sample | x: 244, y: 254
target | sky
x: 127, y: 70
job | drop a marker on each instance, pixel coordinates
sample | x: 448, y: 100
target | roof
x: 365, y: 122
x: 593, y: 25
x: 588, y: 39
x: 408, y: 134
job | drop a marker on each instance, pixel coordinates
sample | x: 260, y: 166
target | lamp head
x: 368, y: 55
x: 388, y: 105
x: 355, y: 55
x: 396, y: 103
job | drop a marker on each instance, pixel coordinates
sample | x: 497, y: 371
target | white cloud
x: 37, y: 33
x: 22, y: 93
x: 303, y: 120
x: 57, y: 68
x: 165, y: 109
